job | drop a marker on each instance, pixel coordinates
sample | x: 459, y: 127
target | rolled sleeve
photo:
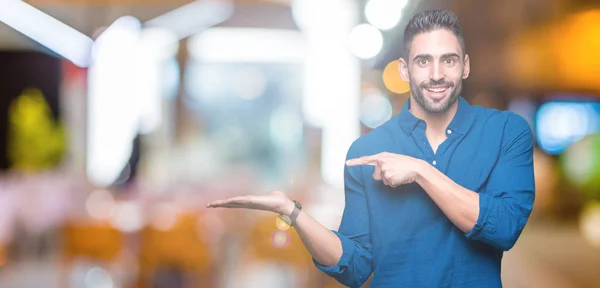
x: 507, y: 200
x: 348, y: 252
x: 356, y: 264
x: 485, y: 201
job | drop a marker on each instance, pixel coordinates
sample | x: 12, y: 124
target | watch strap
x: 295, y: 213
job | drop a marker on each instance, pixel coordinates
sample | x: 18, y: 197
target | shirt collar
x: 460, y: 123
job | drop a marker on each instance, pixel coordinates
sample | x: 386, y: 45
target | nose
x: 437, y: 72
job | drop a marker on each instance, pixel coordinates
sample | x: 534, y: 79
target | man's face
x: 435, y: 69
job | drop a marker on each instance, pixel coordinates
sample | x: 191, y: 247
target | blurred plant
x: 581, y: 165
x: 35, y: 140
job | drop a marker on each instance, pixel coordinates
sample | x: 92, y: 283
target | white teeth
x: 437, y: 90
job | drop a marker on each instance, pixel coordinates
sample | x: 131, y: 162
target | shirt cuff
x: 348, y: 250
x: 485, y: 206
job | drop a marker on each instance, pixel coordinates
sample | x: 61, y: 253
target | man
x: 433, y: 196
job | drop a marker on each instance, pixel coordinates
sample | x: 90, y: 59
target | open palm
x: 275, y: 201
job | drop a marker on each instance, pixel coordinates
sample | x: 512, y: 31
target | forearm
x: 324, y: 246
x: 459, y: 204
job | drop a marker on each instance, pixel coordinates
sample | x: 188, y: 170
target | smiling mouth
x: 437, y: 89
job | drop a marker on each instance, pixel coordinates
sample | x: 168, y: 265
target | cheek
x: 454, y: 75
x: 418, y: 76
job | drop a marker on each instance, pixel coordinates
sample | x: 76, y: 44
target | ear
x: 467, y: 67
x: 403, y: 68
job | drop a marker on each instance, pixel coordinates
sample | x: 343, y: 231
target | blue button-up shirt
x: 402, y: 237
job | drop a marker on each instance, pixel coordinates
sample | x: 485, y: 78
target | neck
x: 436, y: 122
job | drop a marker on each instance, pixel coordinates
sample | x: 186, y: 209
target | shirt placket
x: 439, y: 159
x: 423, y: 143
x: 445, y: 150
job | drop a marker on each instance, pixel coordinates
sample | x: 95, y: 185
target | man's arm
x: 324, y: 246
x: 497, y: 215
x: 460, y: 205
x: 356, y: 264
x: 345, y: 254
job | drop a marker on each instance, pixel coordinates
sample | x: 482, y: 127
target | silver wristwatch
x: 290, y: 220
x: 295, y: 213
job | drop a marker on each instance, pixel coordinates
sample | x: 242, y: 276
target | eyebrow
x: 450, y: 55
x: 426, y: 56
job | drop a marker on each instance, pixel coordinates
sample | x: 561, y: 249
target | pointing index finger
x: 365, y: 160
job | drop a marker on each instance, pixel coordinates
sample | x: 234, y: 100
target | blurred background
x: 120, y: 120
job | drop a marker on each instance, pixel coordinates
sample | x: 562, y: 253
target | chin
x: 438, y: 109
x: 439, y: 105
x: 434, y: 102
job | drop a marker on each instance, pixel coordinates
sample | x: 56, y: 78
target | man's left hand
x: 393, y: 169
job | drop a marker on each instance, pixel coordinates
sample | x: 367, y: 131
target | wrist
x: 287, y: 208
x: 420, y: 170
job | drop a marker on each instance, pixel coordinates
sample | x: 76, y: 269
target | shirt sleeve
x: 355, y: 266
x: 506, y: 202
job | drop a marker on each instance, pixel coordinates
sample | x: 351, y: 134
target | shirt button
x: 434, y: 162
x: 449, y: 131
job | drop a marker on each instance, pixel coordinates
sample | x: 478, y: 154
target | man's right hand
x: 323, y: 245
x: 275, y: 201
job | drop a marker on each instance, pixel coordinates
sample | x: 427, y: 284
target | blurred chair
x: 176, y: 256
x: 95, y: 241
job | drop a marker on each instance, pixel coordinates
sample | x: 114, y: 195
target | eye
x: 449, y: 61
x: 422, y: 62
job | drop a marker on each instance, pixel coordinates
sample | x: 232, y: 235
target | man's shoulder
x: 500, y: 118
x: 509, y: 125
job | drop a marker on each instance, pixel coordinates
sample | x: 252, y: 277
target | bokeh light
x: 98, y: 278
x: 560, y: 124
x: 375, y: 109
x: 280, y: 239
x: 576, y: 50
x: 282, y: 223
x: 365, y: 41
x: 127, y: 217
x: 581, y: 165
x: 384, y: 14
x: 392, y: 79
x: 589, y: 223
x: 164, y: 216
x: 100, y: 204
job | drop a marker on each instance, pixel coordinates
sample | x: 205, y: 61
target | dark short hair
x: 428, y: 21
